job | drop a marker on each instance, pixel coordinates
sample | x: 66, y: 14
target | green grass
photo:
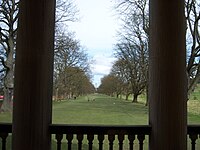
x: 104, y: 110
x: 108, y: 111
x: 194, y: 107
x: 194, y: 102
x: 6, y: 117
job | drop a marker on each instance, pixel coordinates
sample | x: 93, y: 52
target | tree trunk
x: 7, y: 104
x: 135, y: 100
x: 127, y: 95
x: 192, y: 83
x: 8, y: 83
x: 56, y: 94
x: 147, y: 96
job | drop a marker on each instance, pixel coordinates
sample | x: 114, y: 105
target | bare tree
x: 72, y: 82
x: 119, y: 69
x: 110, y: 85
x: 71, y: 61
x: 69, y: 53
x: 130, y: 8
x: 135, y: 65
x: 8, y: 34
x: 132, y: 47
x: 65, y: 11
x: 192, y: 11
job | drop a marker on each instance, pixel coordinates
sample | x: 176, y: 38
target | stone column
x: 34, y: 75
x: 167, y: 75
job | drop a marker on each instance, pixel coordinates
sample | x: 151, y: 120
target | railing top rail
x: 193, y: 129
x: 6, y: 127
x: 100, y: 129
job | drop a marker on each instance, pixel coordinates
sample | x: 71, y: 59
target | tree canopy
x: 66, y: 11
x: 131, y: 50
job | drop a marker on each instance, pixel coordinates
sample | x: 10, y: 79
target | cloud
x: 101, y: 67
x: 98, y: 26
x: 97, y: 31
x: 102, y: 64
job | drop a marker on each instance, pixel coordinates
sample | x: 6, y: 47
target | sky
x: 96, y: 31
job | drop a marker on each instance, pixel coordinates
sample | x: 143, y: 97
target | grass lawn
x: 103, y: 110
x: 108, y: 111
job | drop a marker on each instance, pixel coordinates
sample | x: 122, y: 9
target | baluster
x: 141, y: 138
x: 100, y: 139
x: 59, y: 138
x: 121, y: 139
x: 193, y: 138
x: 4, y: 137
x: 69, y: 138
x: 111, y: 138
x: 80, y: 139
x: 90, y: 138
x: 131, y: 139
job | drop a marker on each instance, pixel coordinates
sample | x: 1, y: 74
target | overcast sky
x: 97, y: 31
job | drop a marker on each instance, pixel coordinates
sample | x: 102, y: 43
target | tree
x: 8, y: 34
x: 135, y: 66
x: 71, y: 65
x: 82, y: 83
x: 132, y: 48
x: 69, y: 52
x: 119, y: 69
x: 192, y: 12
x: 192, y: 7
x: 73, y: 82
x: 65, y: 11
x: 110, y: 85
x: 129, y: 9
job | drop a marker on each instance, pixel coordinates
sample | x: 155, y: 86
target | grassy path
x: 103, y: 110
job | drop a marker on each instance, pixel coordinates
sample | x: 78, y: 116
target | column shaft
x: 33, y: 75
x: 167, y: 75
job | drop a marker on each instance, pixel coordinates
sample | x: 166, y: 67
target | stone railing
x: 92, y: 131
x: 67, y: 134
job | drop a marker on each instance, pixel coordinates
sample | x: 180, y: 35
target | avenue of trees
x: 72, y: 77
x: 70, y: 70
x: 131, y: 51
